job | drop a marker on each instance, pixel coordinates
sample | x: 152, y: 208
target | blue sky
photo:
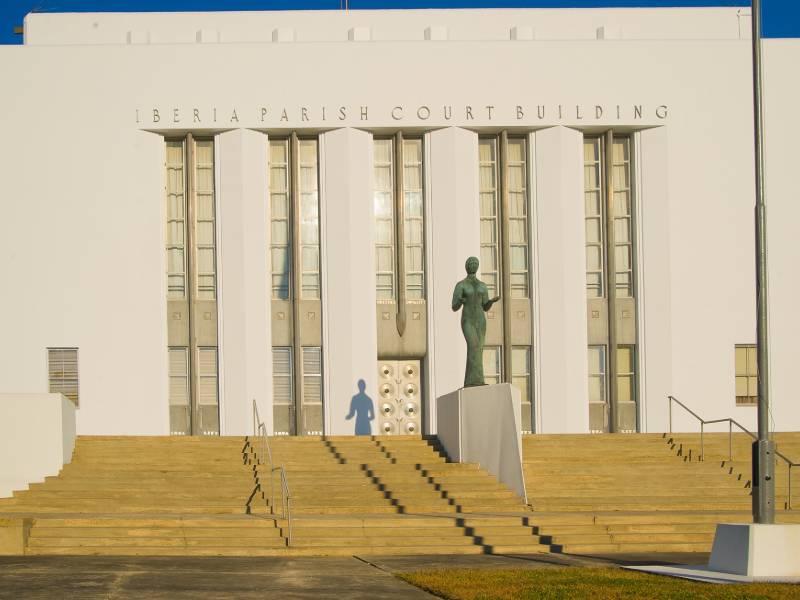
x: 781, y: 17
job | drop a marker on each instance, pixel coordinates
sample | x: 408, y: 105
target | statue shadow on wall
x: 362, y: 408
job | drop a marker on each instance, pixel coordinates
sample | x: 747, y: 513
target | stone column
x: 244, y: 323
x: 349, y: 331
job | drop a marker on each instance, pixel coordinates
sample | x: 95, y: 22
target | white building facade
x: 206, y: 210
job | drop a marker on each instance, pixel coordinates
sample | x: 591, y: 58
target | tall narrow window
x: 192, y: 272
x: 490, y: 229
x: 610, y: 280
x: 593, y: 202
x: 383, y: 199
x: 746, y: 359
x: 296, y: 282
x: 598, y: 409
x: 623, y: 213
x: 626, y: 374
x: 62, y: 369
x: 413, y: 213
x: 386, y: 153
x: 503, y: 162
x: 309, y: 219
x: 279, y: 216
x: 206, y: 219
x: 492, y: 364
x: 176, y: 221
x: 518, y: 217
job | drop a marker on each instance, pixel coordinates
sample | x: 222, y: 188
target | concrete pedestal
x: 756, y: 550
x: 482, y: 425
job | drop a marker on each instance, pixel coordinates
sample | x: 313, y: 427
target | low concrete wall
x: 482, y: 425
x: 14, y: 535
x: 37, y: 436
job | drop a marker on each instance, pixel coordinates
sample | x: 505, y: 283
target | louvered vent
x: 282, y: 375
x: 62, y: 368
x: 312, y: 375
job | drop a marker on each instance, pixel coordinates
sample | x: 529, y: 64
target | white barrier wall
x: 37, y: 436
x: 482, y: 425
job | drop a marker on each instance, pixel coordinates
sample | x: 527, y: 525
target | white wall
x: 783, y: 220
x: 37, y: 436
x: 384, y: 25
x: 82, y: 234
x: 654, y: 277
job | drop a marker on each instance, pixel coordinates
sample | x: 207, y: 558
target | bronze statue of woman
x: 473, y: 295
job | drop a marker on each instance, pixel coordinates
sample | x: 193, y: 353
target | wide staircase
x: 213, y: 496
x: 219, y: 496
x: 630, y: 493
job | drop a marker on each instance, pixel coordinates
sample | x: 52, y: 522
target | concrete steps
x: 596, y: 494
x: 172, y: 496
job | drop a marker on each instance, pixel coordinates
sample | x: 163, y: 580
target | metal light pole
x: 763, y: 449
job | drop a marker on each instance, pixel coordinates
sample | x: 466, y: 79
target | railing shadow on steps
x: 731, y: 422
x: 265, y: 451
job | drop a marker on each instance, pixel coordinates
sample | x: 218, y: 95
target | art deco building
x: 203, y: 210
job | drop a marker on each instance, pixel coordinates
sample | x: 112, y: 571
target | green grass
x: 582, y: 583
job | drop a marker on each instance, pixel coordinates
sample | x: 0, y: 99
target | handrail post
x: 790, y: 485
x: 670, y: 413
x: 730, y: 441
x: 702, y: 446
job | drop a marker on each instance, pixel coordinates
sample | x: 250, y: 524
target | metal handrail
x: 264, y: 449
x: 731, y: 422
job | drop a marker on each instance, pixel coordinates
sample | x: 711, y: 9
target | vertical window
x: 288, y: 204
x: 279, y: 216
x: 176, y: 221
x: 383, y: 199
x: 623, y: 226
x: 518, y: 216
x: 206, y: 219
x: 282, y: 390
x: 490, y: 234
x: 413, y: 213
x: 597, y: 374
x: 386, y: 155
x: 746, y: 375
x: 626, y: 385
x: 492, y: 364
x: 179, y: 391
x: 593, y: 199
x: 62, y: 372
x: 521, y: 371
x: 309, y: 219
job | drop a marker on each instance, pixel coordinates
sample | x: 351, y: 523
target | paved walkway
x: 121, y: 578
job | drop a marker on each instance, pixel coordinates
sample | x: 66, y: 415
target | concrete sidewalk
x: 319, y: 578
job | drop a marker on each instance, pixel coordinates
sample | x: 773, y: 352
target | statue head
x: 361, y: 385
x: 471, y: 265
